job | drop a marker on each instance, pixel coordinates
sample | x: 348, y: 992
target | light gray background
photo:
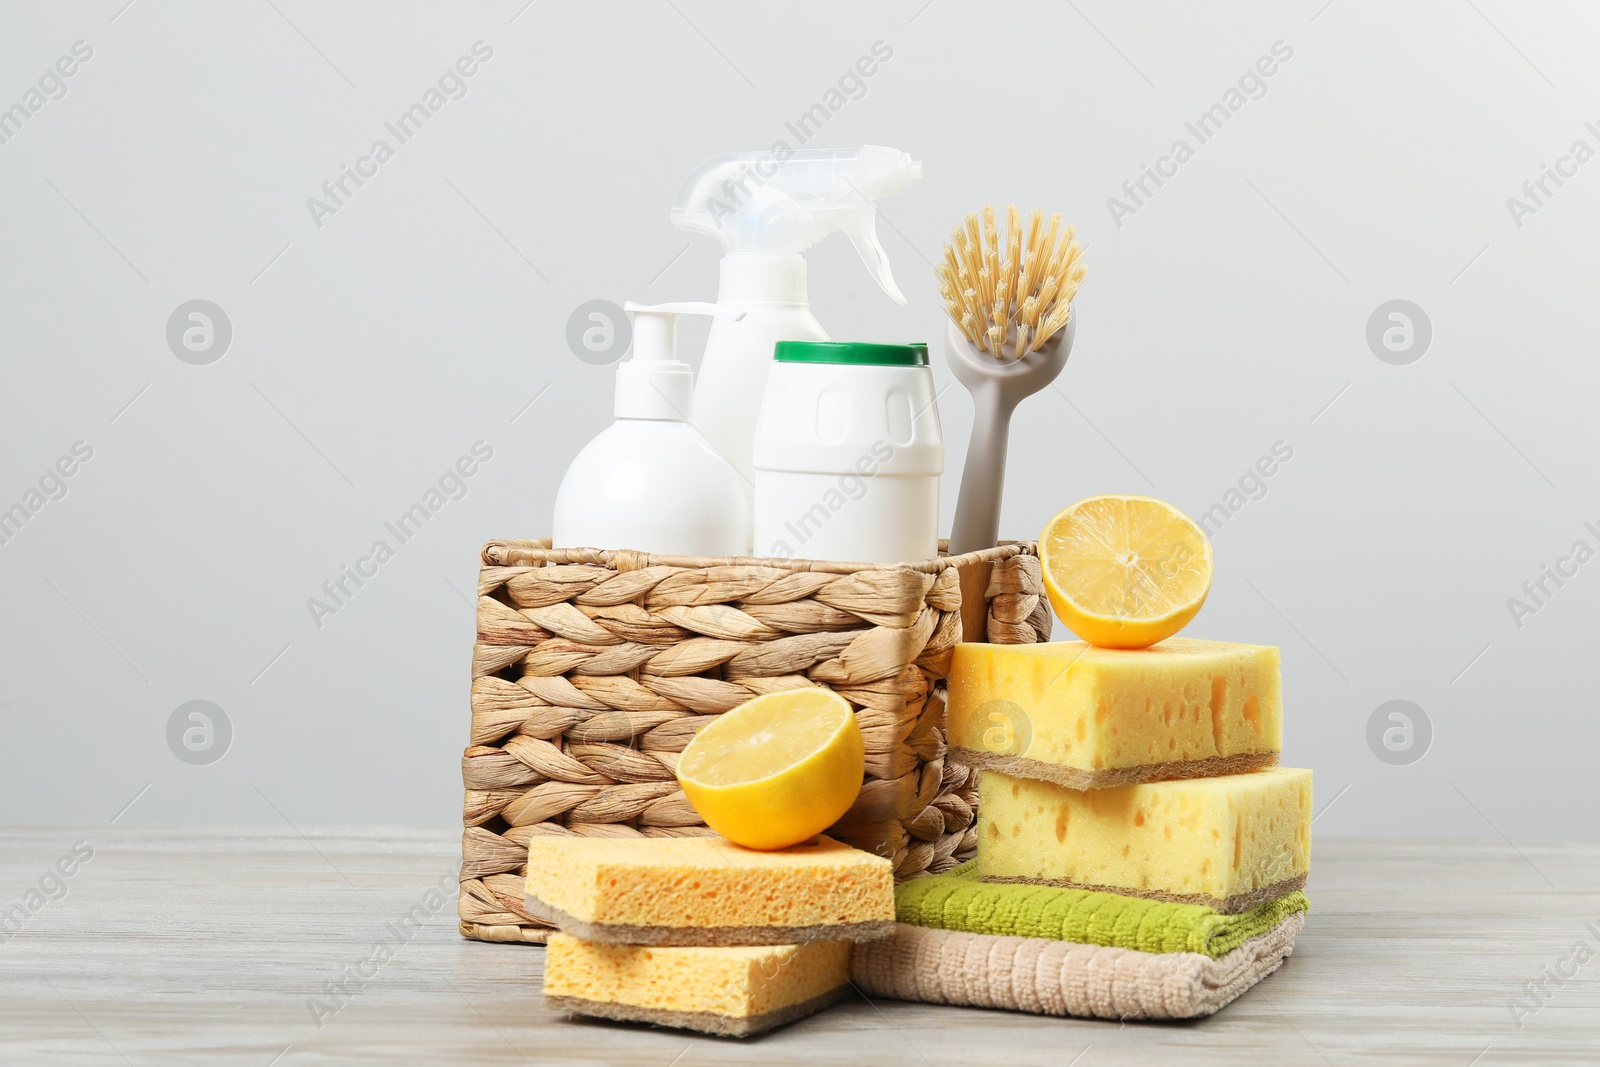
x: 1227, y: 314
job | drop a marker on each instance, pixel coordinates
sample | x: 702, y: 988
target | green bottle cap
x: 866, y: 355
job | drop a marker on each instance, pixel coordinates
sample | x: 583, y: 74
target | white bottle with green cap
x: 848, y: 454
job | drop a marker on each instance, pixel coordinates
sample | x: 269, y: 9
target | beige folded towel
x: 1046, y: 977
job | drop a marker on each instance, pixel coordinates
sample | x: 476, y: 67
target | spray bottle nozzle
x: 786, y: 202
x: 655, y: 384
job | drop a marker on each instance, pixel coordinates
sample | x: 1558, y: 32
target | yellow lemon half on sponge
x: 776, y: 770
x: 1125, y: 571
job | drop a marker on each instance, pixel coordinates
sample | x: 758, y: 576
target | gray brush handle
x: 977, y: 522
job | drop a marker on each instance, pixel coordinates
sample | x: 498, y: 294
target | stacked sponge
x: 1125, y: 794
x: 701, y: 933
x: 1133, y: 771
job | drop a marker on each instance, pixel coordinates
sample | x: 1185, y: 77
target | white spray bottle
x: 767, y: 208
x: 651, y: 481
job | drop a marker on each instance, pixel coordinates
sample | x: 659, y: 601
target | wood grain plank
x: 223, y: 946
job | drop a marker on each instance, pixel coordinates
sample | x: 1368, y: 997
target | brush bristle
x: 1010, y: 290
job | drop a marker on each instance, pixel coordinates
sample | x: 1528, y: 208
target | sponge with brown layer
x: 729, y: 992
x: 708, y: 891
x: 1094, y: 718
x: 1229, y: 843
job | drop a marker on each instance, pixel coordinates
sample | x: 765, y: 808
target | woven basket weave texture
x: 593, y: 669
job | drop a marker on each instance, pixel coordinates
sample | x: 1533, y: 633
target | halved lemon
x: 1125, y: 571
x: 776, y: 770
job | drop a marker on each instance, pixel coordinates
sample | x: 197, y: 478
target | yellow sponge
x: 728, y: 991
x: 708, y: 891
x: 1088, y: 718
x: 1230, y: 843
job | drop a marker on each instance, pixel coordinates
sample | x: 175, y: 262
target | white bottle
x: 651, y: 482
x: 848, y: 453
x: 767, y: 208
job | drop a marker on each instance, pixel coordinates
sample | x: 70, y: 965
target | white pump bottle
x: 767, y: 208
x: 650, y: 481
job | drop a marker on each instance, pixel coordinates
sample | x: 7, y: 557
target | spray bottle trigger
x: 870, y: 249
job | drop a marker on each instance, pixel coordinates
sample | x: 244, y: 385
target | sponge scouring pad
x: 1229, y: 843
x: 729, y: 992
x: 1092, y: 718
x: 708, y: 891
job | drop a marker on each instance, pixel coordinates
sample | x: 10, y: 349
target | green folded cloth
x: 957, y: 900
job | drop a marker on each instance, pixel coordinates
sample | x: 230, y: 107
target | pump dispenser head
x: 655, y: 384
x: 783, y: 203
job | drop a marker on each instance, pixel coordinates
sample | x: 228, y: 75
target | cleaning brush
x: 1009, y: 298
x: 1009, y: 295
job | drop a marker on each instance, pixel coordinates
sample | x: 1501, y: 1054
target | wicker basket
x: 593, y: 669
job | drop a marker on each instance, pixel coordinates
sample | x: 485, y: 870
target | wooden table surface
x: 219, y: 947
